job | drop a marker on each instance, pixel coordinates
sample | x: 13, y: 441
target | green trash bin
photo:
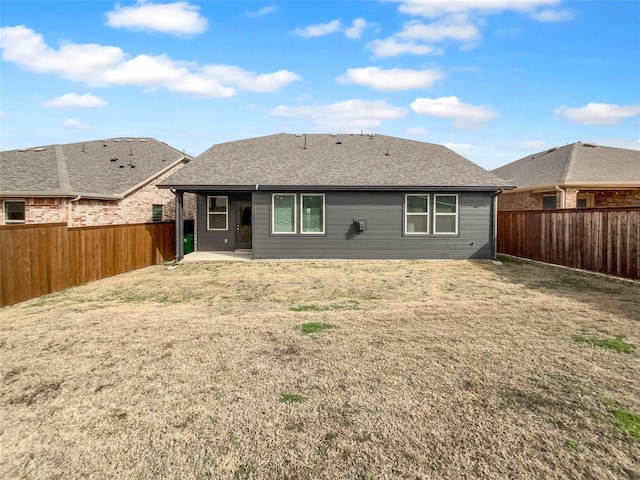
x: 188, y: 243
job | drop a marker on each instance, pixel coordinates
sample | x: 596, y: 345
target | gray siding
x: 214, y: 240
x: 383, y: 238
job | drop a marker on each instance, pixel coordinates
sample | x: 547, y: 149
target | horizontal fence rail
x: 601, y: 240
x: 40, y: 259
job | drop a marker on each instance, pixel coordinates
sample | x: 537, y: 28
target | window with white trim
x: 217, y: 213
x: 445, y: 214
x: 312, y: 213
x: 283, y: 213
x: 14, y: 211
x: 416, y: 214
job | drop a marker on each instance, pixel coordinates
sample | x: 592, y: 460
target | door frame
x: 239, y: 206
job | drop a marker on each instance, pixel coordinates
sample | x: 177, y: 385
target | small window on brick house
x: 549, y: 202
x: 13, y: 211
x: 157, y: 213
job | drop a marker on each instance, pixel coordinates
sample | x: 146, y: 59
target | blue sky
x: 493, y: 80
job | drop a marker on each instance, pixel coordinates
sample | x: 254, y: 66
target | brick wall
x: 520, y: 201
x: 533, y: 201
x: 619, y: 198
x: 135, y: 208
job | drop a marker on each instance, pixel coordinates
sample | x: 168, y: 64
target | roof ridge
x: 63, y: 172
x: 568, y: 166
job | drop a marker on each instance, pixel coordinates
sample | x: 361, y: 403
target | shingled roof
x: 102, y: 169
x: 576, y: 164
x: 331, y: 161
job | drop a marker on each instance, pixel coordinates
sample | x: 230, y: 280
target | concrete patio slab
x: 196, y: 257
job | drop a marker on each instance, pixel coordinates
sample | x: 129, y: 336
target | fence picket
x: 40, y: 259
x: 601, y: 240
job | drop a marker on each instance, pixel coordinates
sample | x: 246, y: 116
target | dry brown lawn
x: 435, y: 370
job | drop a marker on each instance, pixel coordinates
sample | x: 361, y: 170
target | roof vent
x: 338, y: 142
x: 129, y: 140
x: 592, y: 145
x: 117, y: 139
x: 39, y: 149
x: 333, y: 135
x: 143, y: 140
x: 114, y: 159
x: 298, y: 135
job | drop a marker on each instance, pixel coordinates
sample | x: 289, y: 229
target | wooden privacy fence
x: 40, y: 259
x: 600, y: 240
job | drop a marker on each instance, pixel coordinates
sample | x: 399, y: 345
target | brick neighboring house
x: 579, y: 175
x: 100, y: 182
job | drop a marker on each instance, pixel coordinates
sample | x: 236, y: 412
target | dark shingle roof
x: 577, y: 163
x: 322, y: 160
x: 99, y: 168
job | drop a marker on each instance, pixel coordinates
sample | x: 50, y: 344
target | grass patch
x: 618, y: 344
x: 315, y: 327
x: 574, y: 446
x: 349, y: 305
x: 628, y: 421
x: 292, y: 398
x: 244, y: 471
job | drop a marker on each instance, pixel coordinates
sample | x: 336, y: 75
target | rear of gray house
x: 339, y: 196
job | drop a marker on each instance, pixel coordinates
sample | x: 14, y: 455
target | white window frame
x: 302, y: 195
x: 407, y: 214
x: 436, y: 214
x: 226, y: 213
x: 4, y: 210
x: 273, y: 213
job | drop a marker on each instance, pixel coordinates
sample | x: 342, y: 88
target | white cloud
x: 355, y: 31
x: 319, y: 30
x: 350, y: 115
x: 391, y: 47
x: 463, y: 114
x: 84, y: 62
x: 251, y: 81
x: 201, y: 86
x: 455, y: 20
x: 99, y: 65
x: 416, y: 131
x: 553, y: 15
x: 74, y: 100
x: 457, y: 27
x: 535, y: 145
x: 179, y: 18
x: 420, y: 38
x: 435, y: 8
x: 462, y: 148
x: 392, y: 79
x: 74, y: 124
x: 598, y: 113
x: 262, y: 11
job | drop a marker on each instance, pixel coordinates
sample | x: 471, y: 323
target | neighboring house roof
x: 101, y: 169
x: 336, y: 161
x: 574, y: 165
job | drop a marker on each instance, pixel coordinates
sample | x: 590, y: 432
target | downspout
x: 69, y: 209
x: 562, y: 194
x: 494, y: 221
